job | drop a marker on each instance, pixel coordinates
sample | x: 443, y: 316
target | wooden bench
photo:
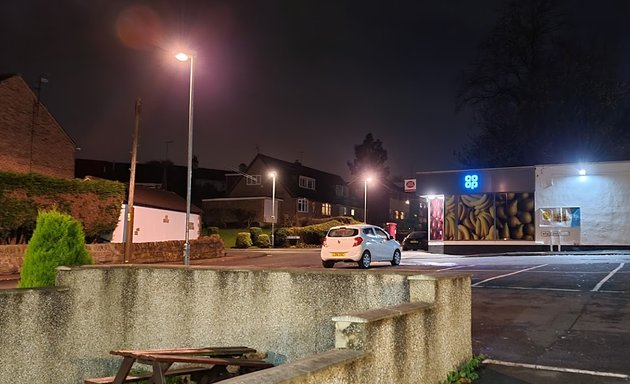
x: 213, y: 361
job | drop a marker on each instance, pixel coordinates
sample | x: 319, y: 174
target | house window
x: 302, y: 205
x: 402, y: 215
x: 326, y: 209
x: 343, y: 211
x: 253, y: 179
x: 396, y: 215
x: 307, y: 182
x: 352, y: 212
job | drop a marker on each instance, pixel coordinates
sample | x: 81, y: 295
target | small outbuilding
x: 159, y: 215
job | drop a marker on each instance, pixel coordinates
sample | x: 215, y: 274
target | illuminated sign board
x: 471, y: 181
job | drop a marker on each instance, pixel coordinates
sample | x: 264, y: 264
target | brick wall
x: 112, y: 253
x: 31, y: 140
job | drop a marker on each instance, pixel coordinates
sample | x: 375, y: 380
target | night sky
x: 292, y: 79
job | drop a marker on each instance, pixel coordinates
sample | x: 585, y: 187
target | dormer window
x: 341, y: 190
x: 307, y: 182
x: 253, y: 179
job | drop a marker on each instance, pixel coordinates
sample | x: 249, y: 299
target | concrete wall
x: 602, y: 195
x: 207, y: 247
x: 63, y: 335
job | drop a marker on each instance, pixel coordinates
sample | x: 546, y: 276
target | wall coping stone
x: 382, y: 313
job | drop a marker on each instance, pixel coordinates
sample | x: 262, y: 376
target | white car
x: 361, y: 243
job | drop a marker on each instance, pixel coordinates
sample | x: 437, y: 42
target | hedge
x: 95, y: 204
x: 314, y: 234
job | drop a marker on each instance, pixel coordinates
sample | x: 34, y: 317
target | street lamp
x: 368, y: 178
x: 185, y: 57
x: 272, y: 174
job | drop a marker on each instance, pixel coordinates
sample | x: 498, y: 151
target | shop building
x: 524, y: 209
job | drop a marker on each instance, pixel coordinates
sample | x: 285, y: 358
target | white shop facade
x: 564, y: 207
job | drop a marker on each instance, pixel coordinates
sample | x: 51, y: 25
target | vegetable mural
x: 515, y: 216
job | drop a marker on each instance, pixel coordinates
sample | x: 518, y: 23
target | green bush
x: 58, y: 240
x: 263, y: 241
x: 280, y: 237
x: 208, y: 231
x: 255, y: 232
x: 243, y: 240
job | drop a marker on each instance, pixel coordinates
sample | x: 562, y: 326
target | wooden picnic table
x: 210, y: 364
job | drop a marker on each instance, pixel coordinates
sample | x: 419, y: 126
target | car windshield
x: 343, y: 232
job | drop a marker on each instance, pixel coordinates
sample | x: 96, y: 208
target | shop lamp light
x: 582, y: 172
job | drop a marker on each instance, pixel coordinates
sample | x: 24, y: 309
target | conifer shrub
x: 280, y: 237
x: 263, y: 241
x: 58, y: 240
x: 255, y: 232
x: 243, y: 240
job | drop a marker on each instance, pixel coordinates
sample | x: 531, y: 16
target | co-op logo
x: 471, y: 181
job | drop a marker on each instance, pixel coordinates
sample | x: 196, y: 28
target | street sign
x: 410, y: 185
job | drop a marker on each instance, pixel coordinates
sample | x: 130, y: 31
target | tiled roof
x: 161, y: 199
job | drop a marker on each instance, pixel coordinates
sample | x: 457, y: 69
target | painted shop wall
x: 602, y: 196
x: 152, y: 224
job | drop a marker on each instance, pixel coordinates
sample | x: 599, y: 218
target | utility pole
x: 132, y: 184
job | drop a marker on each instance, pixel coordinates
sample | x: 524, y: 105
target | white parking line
x: 508, y: 274
x: 605, y: 279
x: 536, y: 289
x: 557, y: 369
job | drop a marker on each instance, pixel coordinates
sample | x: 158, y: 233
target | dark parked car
x: 416, y: 240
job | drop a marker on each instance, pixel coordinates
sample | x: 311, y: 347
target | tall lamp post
x: 272, y: 174
x: 368, y: 178
x: 185, y: 57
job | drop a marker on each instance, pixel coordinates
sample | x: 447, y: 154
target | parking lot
x: 549, y: 318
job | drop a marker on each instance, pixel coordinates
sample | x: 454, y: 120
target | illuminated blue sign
x: 471, y: 181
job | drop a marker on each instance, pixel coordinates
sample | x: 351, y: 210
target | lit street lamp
x: 185, y: 57
x: 368, y: 178
x: 272, y: 174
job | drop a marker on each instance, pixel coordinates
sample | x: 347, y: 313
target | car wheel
x: 365, y: 260
x: 396, y: 258
x: 328, y: 263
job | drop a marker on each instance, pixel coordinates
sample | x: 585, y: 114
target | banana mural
x: 450, y: 225
x: 476, y: 217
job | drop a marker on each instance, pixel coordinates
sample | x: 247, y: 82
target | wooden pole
x: 132, y: 184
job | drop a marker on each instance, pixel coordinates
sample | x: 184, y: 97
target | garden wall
x: 112, y: 253
x: 64, y: 334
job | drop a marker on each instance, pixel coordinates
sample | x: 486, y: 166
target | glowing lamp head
x: 181, y: 56
x: 582, y: 172
x: 272, y: 174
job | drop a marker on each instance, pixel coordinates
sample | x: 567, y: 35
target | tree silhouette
x: 539, y: 95
x: 370, y: 158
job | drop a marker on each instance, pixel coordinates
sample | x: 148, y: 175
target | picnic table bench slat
x: 207, y: 360
x: 133, y: 378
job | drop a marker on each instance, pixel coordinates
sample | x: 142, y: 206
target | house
x: 302, y: 194
x: 31, y: 140
x: 159, y: 215
x: 164, y: 175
